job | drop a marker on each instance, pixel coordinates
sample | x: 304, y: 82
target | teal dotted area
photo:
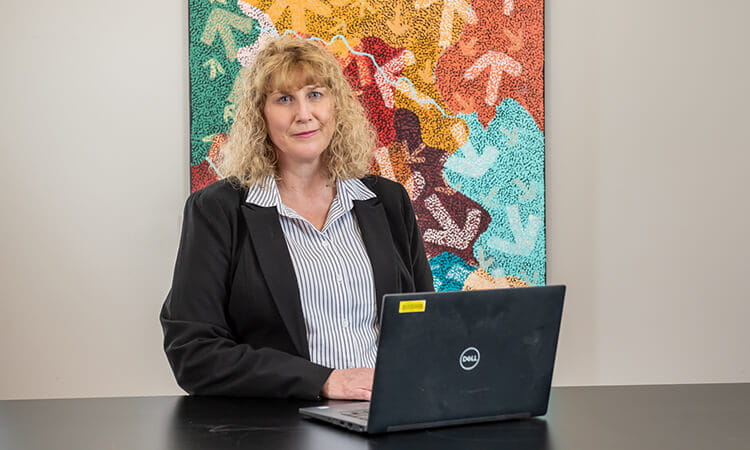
x: 449, y: 272
x: 212, y: 71
x: 502, y: 168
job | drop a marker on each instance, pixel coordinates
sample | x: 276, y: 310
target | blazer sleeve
x: 204, y: 354
x: 420, y: 266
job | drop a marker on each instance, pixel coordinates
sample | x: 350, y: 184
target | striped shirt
x: 334, y: 276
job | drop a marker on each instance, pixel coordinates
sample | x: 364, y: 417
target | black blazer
x: 233, y: 321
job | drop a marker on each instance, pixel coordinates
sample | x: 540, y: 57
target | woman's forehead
x: 293, y: 78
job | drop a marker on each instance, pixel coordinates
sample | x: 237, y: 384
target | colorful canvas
x: 455, y: 90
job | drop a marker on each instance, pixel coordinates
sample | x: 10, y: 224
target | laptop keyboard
x: 357, y: 413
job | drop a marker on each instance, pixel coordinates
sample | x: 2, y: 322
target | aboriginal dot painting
x: 455, y: 91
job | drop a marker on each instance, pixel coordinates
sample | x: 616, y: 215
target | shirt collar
x: 350, y: 190
x: 265, y: 193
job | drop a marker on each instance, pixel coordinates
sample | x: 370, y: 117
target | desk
x: 670, y: 417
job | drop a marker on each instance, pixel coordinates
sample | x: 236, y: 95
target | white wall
x: 94, y: 174
x: 647, y: 161
x: 647, y: 180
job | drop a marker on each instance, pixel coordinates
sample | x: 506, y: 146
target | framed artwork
x: 455, y: 91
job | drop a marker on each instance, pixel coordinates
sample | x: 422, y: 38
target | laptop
x: 450, y: 358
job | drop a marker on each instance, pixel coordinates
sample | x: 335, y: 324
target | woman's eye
x: 316, y: 94
x: 284, y: 99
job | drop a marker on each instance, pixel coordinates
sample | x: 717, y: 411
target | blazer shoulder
x: 223, y: 193
x: 385, y: 189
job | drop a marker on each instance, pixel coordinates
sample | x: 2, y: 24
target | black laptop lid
x: 454, y: 356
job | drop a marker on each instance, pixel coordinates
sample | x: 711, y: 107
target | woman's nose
x: 304, y: 111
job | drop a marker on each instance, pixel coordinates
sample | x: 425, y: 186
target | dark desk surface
x: 676, y: 417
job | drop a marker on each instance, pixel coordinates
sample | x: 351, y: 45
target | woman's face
x: 300, y: 123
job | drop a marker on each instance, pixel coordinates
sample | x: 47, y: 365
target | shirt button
x: 339, y: 278
x: 325, y: 244
x: 345, y: 323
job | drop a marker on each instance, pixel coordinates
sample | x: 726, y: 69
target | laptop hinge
x: 443, y: 423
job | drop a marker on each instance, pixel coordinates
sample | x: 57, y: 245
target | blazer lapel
x: 276, y: 265
x: 376, y: 235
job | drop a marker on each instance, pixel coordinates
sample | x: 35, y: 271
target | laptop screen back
x: 449, y: 357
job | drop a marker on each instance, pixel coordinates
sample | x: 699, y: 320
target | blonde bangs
x: 293, y: 75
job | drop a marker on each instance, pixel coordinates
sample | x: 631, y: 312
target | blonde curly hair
x: 249, y: 155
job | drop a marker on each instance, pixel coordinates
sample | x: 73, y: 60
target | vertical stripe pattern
x: 334, y: 276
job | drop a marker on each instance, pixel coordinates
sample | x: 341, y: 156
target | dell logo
x: 469, y: 358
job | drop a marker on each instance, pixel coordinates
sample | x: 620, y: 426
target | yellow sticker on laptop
x: 411, y: 306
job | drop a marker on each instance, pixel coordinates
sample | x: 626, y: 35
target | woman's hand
x: 349, y: 384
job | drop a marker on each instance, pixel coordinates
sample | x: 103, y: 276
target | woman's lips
x: 305, y: 134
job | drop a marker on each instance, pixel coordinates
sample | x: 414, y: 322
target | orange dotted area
x: 481, y: 279
x: 502, y: 55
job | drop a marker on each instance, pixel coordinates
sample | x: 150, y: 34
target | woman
x: 281, y: 265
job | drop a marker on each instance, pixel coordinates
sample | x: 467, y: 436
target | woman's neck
x: 310, y: 195
x: 304, y: 182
